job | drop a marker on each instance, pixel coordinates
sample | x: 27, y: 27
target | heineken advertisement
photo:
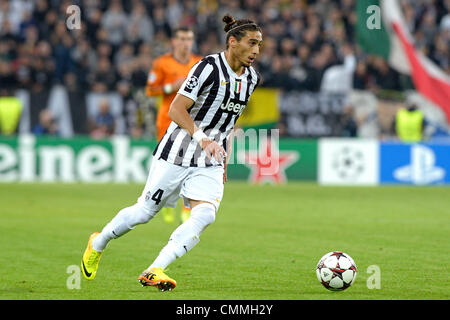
x: 30, y: 159
x: 258, y: 157
x: 123, y: 160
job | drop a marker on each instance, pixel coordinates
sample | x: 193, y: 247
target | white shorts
x: 167, y: 182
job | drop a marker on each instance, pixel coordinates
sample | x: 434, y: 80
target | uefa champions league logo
x: 348, y: 163
x: 192, y: 82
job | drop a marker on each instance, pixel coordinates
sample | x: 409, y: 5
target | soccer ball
x: 336, y: 271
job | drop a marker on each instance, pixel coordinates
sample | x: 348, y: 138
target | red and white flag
x: 428, y: 78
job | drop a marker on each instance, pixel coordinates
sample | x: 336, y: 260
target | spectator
x: 124, y: 54
x: 349, y: 124
x: 113, y: 22
x: 131, y: 110
x: 339, y: 78
x: 139, y: 28
x: 93, y: 24
x: 174, y: 12
x: 47, y: 124
x: 103, y: 79
x: 160, y: 23
x: 77, y: 96
x: 43, y: 67
x: 361, y: 77
x: 410, y: 124
x: 7, y: 78
x: 103, y: 125
x: 84, y: 58
x: 385, y: 77
x: 10, y: 112
x: 315, y: 71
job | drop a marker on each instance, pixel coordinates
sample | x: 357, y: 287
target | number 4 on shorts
x: 156, y: 196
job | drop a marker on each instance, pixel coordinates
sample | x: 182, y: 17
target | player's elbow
x: 178, y: 108
x: 172, y: 111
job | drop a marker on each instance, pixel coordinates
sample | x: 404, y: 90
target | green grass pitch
x: 265, y: 243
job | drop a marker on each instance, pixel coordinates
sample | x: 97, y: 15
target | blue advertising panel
x: 418, y: 164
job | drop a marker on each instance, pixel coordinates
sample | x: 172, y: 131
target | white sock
x: 186, y: 236
x: 123, y: 222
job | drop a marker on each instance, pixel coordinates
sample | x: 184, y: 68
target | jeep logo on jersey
x: 234, y: 105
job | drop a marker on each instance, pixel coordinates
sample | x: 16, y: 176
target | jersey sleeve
x: 154, y: 86
x: 196, y: 79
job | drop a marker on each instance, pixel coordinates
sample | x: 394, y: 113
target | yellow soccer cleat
x: 90, y: 260
x: 155, y: 277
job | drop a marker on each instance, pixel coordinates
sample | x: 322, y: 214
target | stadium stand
x: 309, y: 46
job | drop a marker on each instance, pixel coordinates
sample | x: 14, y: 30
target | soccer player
x: 190, y: 160
x: 165, y: 78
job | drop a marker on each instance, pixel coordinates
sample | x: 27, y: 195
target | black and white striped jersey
x: 219, y: 96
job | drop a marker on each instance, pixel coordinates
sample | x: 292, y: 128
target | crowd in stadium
x: 118, y: 39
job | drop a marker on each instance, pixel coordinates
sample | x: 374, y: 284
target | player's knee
x: 141, y: 214
x: 205, y: 212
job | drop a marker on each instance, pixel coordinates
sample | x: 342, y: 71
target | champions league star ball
x: 336, y: 271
